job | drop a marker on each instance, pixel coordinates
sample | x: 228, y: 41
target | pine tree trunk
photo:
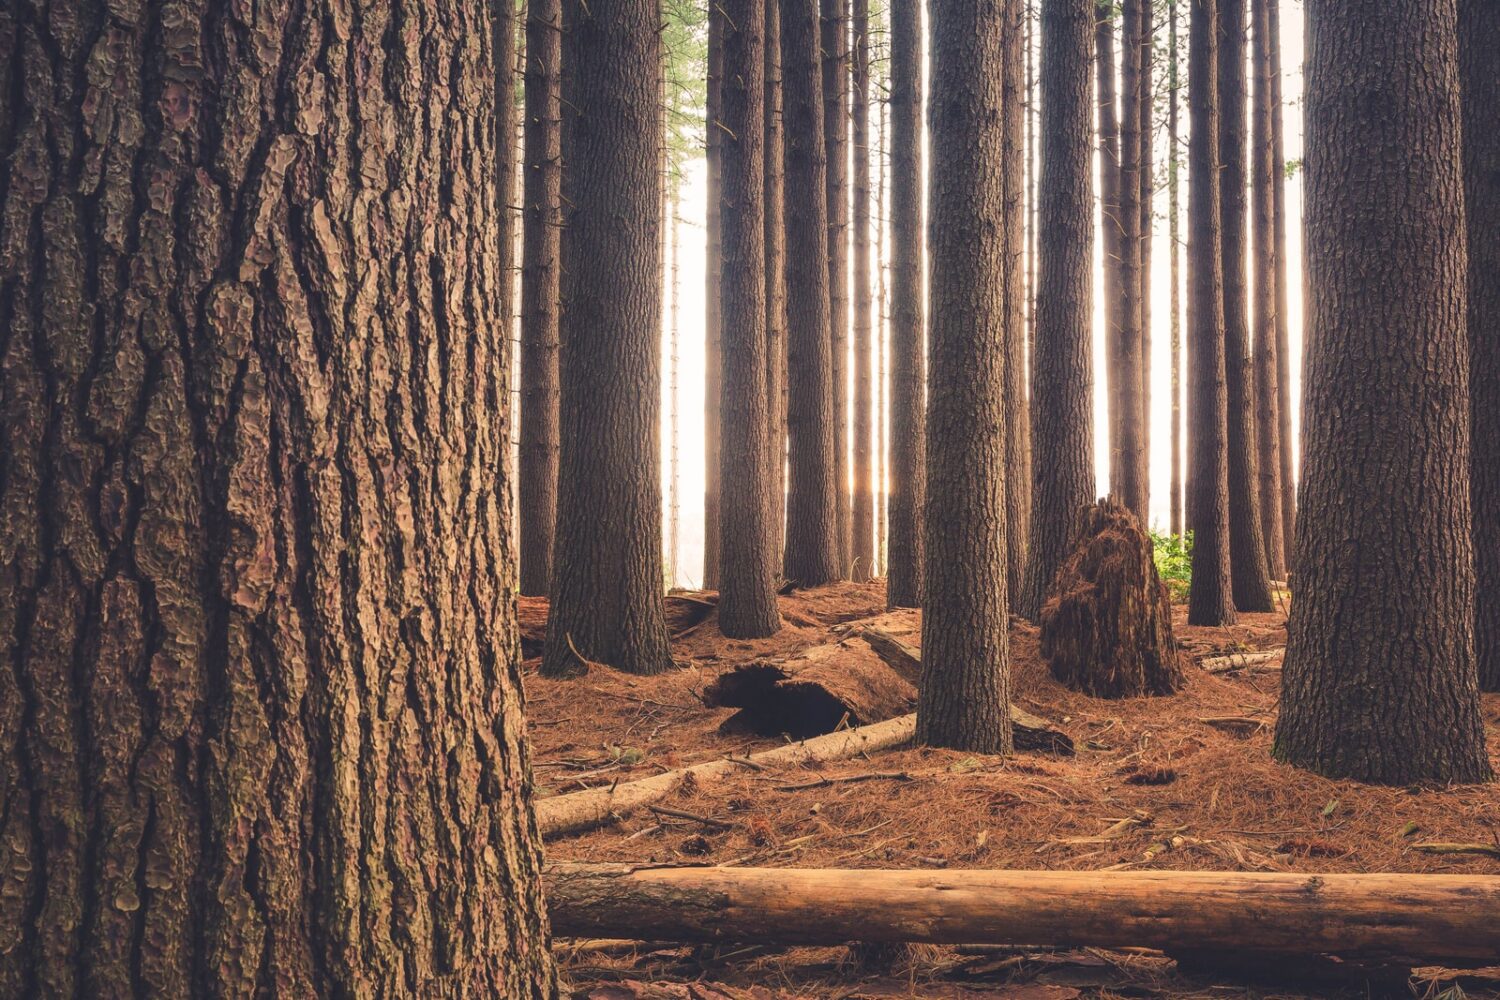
x: 537, y: 486
x: 260, y: 721
x: 1174, y: 238
x: 674, y: 361
x: 964, y: 693
x: 606, y: 601
x: 833, y: 26
x: 1147, y: 225
x: 882, y: 337
x: 747, y: 605
x: 1125, y: 349
x: 1211, y: 599
x: 1380, y: 682
x: 713, y: 386
x: 908, y: 445
x: 1267, y: 392
x: 864, y: 327
x: 1479, y: 36
x: 1247, y: 548
x: 812, y: 540
x: 1283, y: 307
x: 775, y: 282
x: 1017, y: 423
x: 1111, y: 231
x: 1062, y: 376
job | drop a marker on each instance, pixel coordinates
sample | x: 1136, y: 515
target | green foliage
x: 1174, y: 561
x: 684, y: 38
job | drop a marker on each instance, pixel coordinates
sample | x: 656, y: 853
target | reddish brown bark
x: 1017, y: 411
x: 260, y: 714
x: 1111, y: 228
x: 775, y: 281
x: 1283, y: 313
x: 1174, y: 237
x: 863, y: 517
x: 833, y: 27
x: 1125, y: 369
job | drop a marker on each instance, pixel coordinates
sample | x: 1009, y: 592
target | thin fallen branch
x: 1241, y: 661
x: 847, y: 779
x: 722, y: 824
x: 1488, y: 850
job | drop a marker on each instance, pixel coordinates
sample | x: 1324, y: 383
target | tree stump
x: 1107, y: 622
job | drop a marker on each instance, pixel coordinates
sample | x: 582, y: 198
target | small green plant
x: 1174, y: 561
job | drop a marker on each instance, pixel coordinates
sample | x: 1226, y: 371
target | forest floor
x: 1194, y: 771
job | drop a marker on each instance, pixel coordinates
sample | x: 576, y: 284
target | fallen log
x: 597, y: 806
x: 1239, y: 661
x: 684, y: 610
x: 1422, y: 919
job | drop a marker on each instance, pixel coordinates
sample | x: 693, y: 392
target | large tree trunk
x: 863, y: 518
x: 1211, y: 599
x: 964, y: 693
x: 537, y: 484
x: 1125, y: 345
x: 1062, y: 372
x: 1479, y: 36
x: 1017, y: 412
x: 908, y: 410
x: 747, y: 606
x: 1174, y: 237
x: 1379, y: 682
x: 713, y: 302
x: 833, y: 27
x: 812, y: 552
x: 606, y: 602
x: 1267, y: 392
x: 775, y: 282
x: 1247, y: 548
x: 260, y: 720
x: 1283, y: 307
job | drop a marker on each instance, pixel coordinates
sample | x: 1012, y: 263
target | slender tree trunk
x: 1478, y: 35
x: 713, y: 386
x: 1247, y: 548
x: 1380, y: 682
x: 1017, y: 423
x: 747, y: 606
x: 1267, y: 419
x: 864, y: 328
x: 882, y: 341
x: 230, y: 404
x: 1125, y: 349
x: 674, y: 413
x: 812, y: 539
x: 908, y: 474
x: 539, y: 276
x: 1174, y: 238
x: 1111, y: 231
x: 834, y: 28
x: 1211, y: 599
x: 606, y: 580
x: 1062, y: 376
x: 1283, y: 307
x: 1146, y: 231
x: 964, y: 696
x: 775, y: 281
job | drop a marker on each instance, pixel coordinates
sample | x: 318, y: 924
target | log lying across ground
x: 584, y: 810
x: 1240, y: 661
x: 1418, y: 919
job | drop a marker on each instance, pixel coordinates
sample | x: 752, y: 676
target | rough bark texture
x: 908, y: 434
x: 1017, y: 412
x: 1283, y: 308
x: 812, y: 553
x: 1113, y: 292
x: 1147, y: 224
x: 1062, y: 374
x: 713, y: 303
x: 1107, y: 625
x: 1174, y: 238
x: 863, y: 517
x: 1380, y: 682
x: 1125, y: 346
x: 1247, y: 548
x: 747, y: 607
x: 965, y: 691
x: 606, y: 578
x: 833, y: 27
x: 260, y: 708
x: 1479, y: 45
x: 775, y: 281
x: 1267, y: 390
x: 536, y: 488
x: 1211, y: 599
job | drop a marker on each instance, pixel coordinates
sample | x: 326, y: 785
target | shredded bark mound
x: 812, y: 692
x: 1107, y: 623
